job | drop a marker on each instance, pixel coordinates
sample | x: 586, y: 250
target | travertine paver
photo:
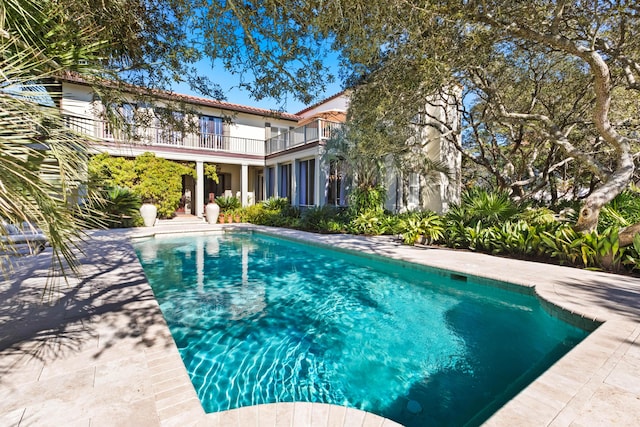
x: 99, y: 353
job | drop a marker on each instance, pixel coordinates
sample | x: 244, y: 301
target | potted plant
x: 212, y: 210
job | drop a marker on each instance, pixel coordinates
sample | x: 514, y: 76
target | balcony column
x: 199, y: 189
x: 244, y: 184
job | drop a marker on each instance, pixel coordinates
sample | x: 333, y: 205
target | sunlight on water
x: 261, y: 320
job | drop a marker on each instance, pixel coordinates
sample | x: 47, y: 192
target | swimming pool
x: 262, y: 320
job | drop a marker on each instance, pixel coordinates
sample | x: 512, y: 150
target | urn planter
x: 212, y: 210
x: 148, y: 212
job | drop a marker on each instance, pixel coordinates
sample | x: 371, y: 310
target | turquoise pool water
x: 262, y: 320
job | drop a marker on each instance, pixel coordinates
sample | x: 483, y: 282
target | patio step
x: 181, y: 219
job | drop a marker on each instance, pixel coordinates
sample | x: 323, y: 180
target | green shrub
x: 276, y: 203
x: 622, y: 211
x: 153, y: 179
x: 228, y: 203
x: 521, y: 238
x: 254, y: 213
x: 122, y: 207
x: 273, y: 212
x: 479, y: 205
x: 426, y: 227
x: 317, y: 218
x: 333, y: 226
x: 631, y: 257
x: 537, y: 216
x: 365, y: 199
x: 366, y: 222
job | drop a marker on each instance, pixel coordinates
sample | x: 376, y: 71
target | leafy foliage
x: 211, y: 172
x: 122, y: 208
x: 323, y: 219
x: 479, y: 205
x: 426, y: 227
x: 276, y: 203
x: 275, y: 212
x: 367, y: 198
x: 483, y: 221
x: 152, y: 178
x: 228, y: 203
x: 40, y: 159
x: 622, y: 211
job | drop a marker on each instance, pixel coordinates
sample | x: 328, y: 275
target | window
x: 271, y: 182
x: 306, y: 181
x: 259, y: 187
x: 128, y: 129
x: 211, y: 133
x: 217, y: 189
x: 336, y: 191
x: 279, y: 138
x: 284, y: 182
x: 168, y: 131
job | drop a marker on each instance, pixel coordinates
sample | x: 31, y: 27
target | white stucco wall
x: 339, y: 103
x: 77, y: 100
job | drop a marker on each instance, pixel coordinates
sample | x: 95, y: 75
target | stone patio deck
x: 97, y: 351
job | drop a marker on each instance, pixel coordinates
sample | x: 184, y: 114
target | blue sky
x: 229, y: 84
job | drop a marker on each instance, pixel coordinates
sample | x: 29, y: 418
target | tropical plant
x: 631, y: 259
x: 121, y: 207
x: 622, y: 211
x: 369, y: 222
x: 537, y: 216
x: 479, y: 205
x: 228, y: 203
x: 367, y: 198
x: 276, y: 203
x: 426, y: 227
x: 319, y: 218
x: 41, y: 160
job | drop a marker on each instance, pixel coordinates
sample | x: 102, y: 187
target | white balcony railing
x: 158, y: 136
x: 318, y: 130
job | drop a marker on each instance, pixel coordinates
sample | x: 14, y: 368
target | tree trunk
x: 602, y: 86
x: 590, y: 211
x: 626, y: 235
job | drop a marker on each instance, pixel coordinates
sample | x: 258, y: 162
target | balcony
x: 162, y: 137
x: 316, y: 131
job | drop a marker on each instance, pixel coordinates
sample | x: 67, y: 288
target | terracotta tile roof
x: 237, y: 107
x: 75, y: 78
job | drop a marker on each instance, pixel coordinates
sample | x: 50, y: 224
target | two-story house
x: 258, y: 153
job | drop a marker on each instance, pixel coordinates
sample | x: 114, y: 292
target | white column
x: 320, y: 181
x: 276, y: 180
x: 295, y: 192
x: 199, y: 189
x: 244, y: 184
